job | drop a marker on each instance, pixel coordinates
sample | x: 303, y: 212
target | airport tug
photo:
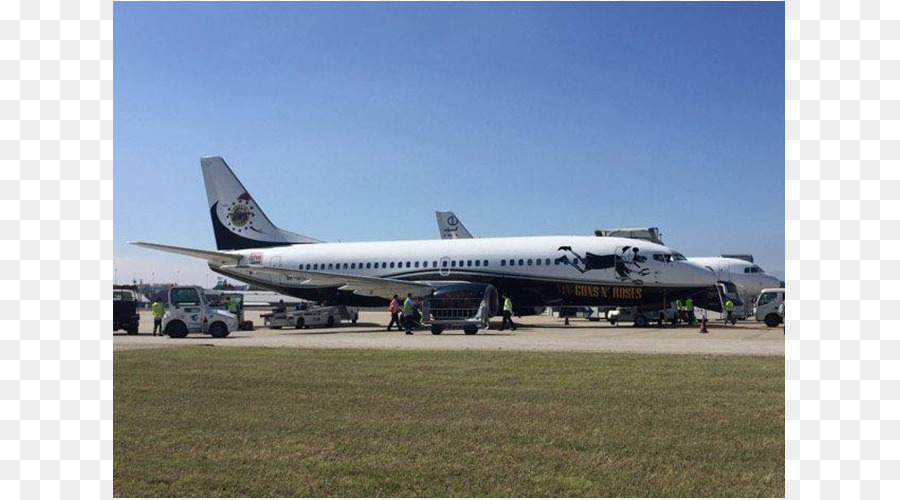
x: 189, y: 311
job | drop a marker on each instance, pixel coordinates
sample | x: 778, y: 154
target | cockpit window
x: 678, y: 256
x: 660, y: 257
x: 756, y: 269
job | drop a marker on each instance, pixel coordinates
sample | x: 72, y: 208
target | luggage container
x: 466, y: 306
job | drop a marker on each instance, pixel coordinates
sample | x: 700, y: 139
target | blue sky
x: 355, y: 121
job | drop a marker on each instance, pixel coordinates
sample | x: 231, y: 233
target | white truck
x: 768, y: 307
x: 306, y: 315
x: 189, y: 311
x: 640, y: 318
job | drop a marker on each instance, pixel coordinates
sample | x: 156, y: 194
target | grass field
x: 209, y: 421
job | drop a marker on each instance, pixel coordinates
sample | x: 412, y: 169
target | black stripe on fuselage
x: 461, y: 274
x: 525, y: 291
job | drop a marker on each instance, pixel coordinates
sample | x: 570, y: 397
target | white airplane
x: 748, y: 278
x: 535, y: 271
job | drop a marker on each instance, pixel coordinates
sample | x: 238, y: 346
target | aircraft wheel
x: 470, y: 329
x: 176, y: 330
x: 437, y: 329
x: 330, y: 321
x: 301, y: 323
x: 772, y: 320
x: 640, y: 321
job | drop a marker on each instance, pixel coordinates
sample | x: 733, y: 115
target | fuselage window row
x: 523, y: 262
x: 409, y: 264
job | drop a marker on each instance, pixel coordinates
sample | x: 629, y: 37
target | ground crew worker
x: 394, y: 308
x: 689, y: 309
x: 507, y: 313
x: 232, y: 305
x: 679, y: 311
x: 729, y: 310
x: 408, y: 308
x: 417, y: 315
x: 159, y: 310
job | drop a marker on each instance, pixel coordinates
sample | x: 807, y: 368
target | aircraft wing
x: 218, y: 258
x: 450, y: 227
x: 360, y: 285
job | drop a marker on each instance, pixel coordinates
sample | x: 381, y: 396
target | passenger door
x: 444, y: 269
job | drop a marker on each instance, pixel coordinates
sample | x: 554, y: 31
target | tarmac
x: 534, y: 333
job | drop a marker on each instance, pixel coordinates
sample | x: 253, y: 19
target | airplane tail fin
x: 451, y: 227
x: 238, y: 221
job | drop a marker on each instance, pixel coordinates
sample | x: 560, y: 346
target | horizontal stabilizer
x: 218, y: 258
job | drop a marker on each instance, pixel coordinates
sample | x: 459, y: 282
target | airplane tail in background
x: 451, y: 227
x: 238, y: 221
